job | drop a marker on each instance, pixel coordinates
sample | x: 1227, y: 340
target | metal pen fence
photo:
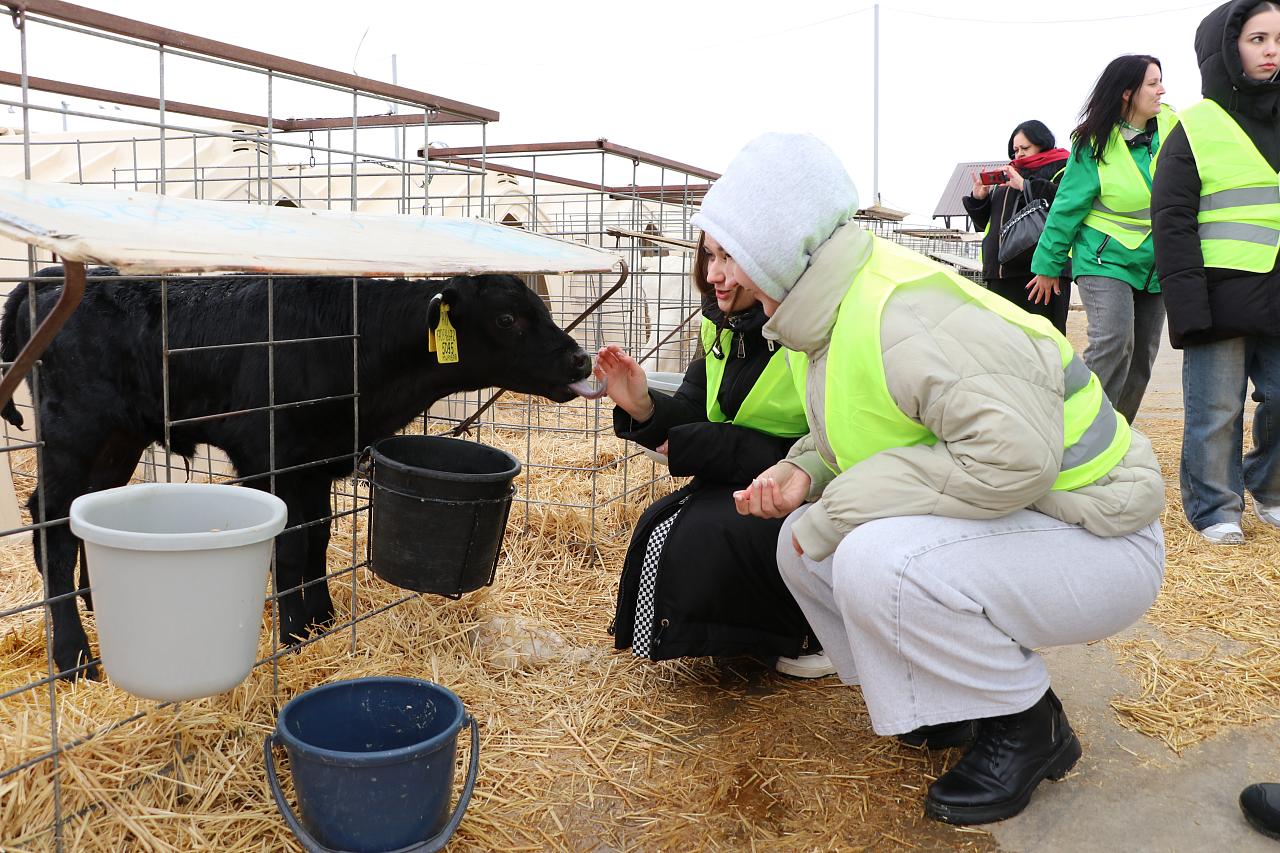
x: 367, y: 160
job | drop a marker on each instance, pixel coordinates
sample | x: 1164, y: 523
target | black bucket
x: 440, y: 507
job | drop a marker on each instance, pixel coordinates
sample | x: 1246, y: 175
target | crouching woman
x: 699, y: 579
x: 973, y: 496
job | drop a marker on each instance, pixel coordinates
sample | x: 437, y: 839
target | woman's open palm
x: 628, y: 385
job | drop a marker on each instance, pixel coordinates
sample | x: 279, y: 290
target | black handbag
x: 1022, y: 231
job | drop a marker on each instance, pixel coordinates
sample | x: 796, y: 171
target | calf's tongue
x: 588, y: 390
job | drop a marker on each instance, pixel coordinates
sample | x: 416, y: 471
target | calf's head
x: 506, y: 338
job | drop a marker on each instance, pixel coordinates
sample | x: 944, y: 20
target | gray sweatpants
x: 937, y: 618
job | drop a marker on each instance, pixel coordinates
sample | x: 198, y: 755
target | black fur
x: 101, y: 403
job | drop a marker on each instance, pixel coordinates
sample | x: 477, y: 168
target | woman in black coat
x: 698, y: 578
x: 1223, y: 314
x: 1035, y: 166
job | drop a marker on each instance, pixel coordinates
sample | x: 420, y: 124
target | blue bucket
x: 372, y: 763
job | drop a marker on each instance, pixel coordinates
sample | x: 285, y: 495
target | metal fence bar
x: 350, y: 176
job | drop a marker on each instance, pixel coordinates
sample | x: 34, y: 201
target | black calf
x: 101, y: 393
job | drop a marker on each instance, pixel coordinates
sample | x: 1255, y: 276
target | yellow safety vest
x: 772, y: 405
x: 1122, y: 209
x: 861, y: 416
x: 1239, y: 192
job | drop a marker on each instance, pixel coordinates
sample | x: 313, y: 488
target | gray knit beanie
x: 782, y: 196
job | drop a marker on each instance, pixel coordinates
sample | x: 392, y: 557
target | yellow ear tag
x: 446, y: 339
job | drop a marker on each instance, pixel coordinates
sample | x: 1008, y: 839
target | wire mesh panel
x: 227, y: 357
x: 603, y: 195
x: 84, y: 765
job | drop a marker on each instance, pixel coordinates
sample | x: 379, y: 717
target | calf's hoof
x: 70, y: 667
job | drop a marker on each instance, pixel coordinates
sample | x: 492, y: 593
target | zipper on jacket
x: 729, y: 388
x: 657, y: 582
x: 657, y: 637
x: 1150, y: 275
x: 804, y: 644
x: 1106, y: 238
x: 622, y: 586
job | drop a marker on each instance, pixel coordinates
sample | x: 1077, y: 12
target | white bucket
x: 179, y: 574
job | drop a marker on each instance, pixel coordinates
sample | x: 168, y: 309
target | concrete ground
x: 1130, y: 792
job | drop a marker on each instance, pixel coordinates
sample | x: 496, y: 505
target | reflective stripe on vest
x: 772, y: 405
x: 1239, y: 219
x: 1123, y: 206
x: 861, y: 417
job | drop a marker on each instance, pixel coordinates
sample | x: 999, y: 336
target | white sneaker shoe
x: 806, y: 666
x: 1267, y: 514
x: 1226, y: 533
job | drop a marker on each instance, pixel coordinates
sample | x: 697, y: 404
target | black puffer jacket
x: 1211, y: 304
x: 718, y: 590
x: 997, y: 208
x: 717, y: 452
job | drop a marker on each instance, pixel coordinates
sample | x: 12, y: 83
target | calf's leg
x: 68, y: 472
x: 319, y: 604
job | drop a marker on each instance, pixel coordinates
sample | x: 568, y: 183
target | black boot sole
x: 1260, y: 827
x: 1058, y: 766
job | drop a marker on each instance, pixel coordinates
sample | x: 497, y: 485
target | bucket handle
x: 431, y: 845
x: 363, y: 469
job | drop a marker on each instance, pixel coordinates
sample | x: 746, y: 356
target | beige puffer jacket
x: 991, y: 393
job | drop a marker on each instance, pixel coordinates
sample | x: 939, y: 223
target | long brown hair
x: 699, y: 271
x: 1106, y: 107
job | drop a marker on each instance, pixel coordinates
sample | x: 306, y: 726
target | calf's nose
x: 581, y: 364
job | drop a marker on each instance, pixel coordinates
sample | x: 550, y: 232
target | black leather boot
x: 941, y: 736
x: 1009, y: 757
x: 1261, y: 806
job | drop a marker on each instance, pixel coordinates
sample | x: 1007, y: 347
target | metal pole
x: 875, y: 121
x: 395, y: 81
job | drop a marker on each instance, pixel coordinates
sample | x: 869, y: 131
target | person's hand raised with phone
x: 1015, y: 182
x: 980, y: 190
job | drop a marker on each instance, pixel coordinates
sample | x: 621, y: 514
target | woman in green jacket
x: 1101, y: 218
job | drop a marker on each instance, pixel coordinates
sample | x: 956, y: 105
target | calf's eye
x: 505, y: 321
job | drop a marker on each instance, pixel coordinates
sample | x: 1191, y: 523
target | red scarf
x: 1044, y: 158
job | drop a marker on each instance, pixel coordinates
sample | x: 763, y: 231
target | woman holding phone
x: 1034, y: 169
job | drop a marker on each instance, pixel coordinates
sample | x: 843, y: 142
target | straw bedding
x: 1214, y: 662
x: 1206, y: 656
x: 583, y: 748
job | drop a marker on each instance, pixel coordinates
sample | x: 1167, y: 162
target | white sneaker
x: 1226, y: 533
x: 806, y: 666
x: 1267, y: 514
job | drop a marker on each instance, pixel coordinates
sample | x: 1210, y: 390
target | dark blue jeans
x: 1215, y: 472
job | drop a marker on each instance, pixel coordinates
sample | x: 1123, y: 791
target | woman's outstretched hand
x: 778, y: 491
x: 628, y: 386
x: 1041, y: 288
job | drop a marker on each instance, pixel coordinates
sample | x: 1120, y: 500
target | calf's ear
x: 447, y: 296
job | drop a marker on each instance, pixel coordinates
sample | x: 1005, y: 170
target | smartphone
x: 997, y: 176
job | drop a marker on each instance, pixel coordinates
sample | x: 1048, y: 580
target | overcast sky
x: 693, y: 80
